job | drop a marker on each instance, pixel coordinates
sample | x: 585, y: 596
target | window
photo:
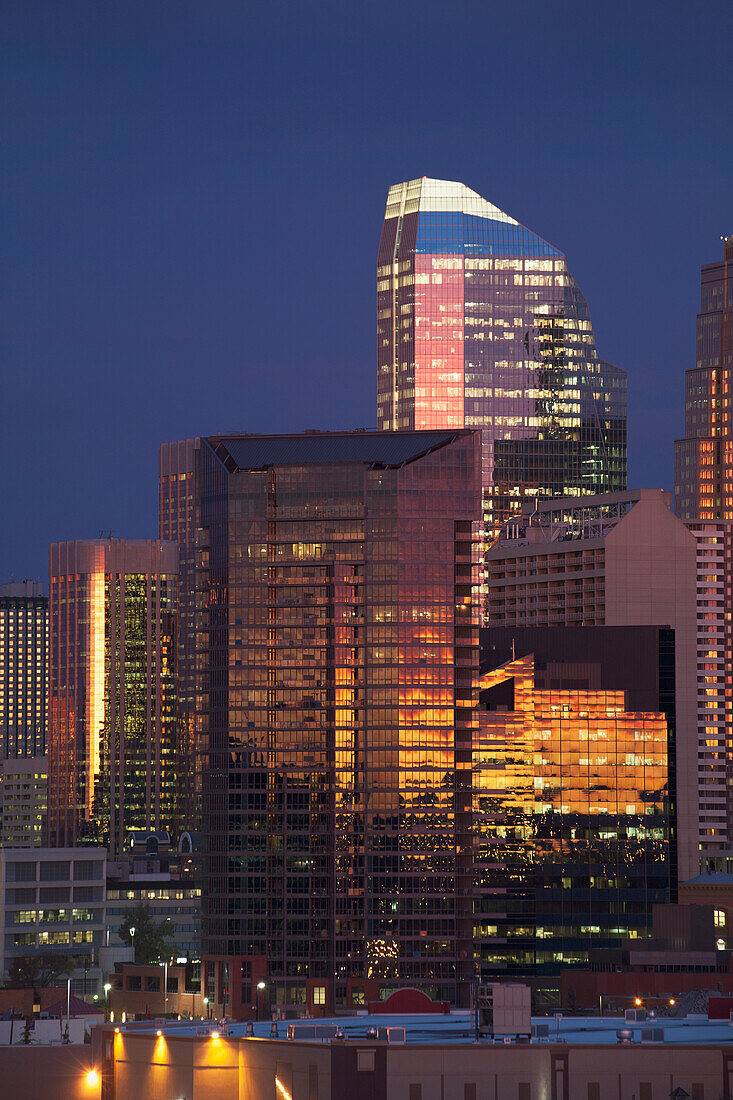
x: 319, y: 994
x: 55, y: 870
x: 365, y: 1061
x: 20, y: 872
x: 87, y: 869
x: 134, y: 983
x: 719, y: 918
x: 153, y: 985
x: 357, y: 997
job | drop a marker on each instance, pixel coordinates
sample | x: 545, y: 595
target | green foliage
x: 44, y: 969
x: 26, y: 1036
x: 151, y: 938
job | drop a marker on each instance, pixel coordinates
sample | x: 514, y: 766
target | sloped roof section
x: 372, y: 449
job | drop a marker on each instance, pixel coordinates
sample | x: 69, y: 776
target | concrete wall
x: 48, y: 1073
x: 147, y: 1068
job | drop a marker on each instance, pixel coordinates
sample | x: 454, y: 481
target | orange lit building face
x: 338, y: 598
x: 571, y: 808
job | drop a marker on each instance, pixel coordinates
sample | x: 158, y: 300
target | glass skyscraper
x: 481, y: 325
x: 112, y: 707
x: 337, y: 671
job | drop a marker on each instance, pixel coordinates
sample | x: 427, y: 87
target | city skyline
x: 155, y: 220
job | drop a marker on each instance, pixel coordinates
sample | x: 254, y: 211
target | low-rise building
x: 52, y: 901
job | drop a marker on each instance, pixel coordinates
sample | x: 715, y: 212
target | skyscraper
x: 704, y: 498
x: 337, y: 670
x: 23, y: 669
x: 112, y: 710
x: 481, y: 325
x: 704, y: 458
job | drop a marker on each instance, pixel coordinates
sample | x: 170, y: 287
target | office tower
x: 23, y: 801
x: 23, y: 669
x: 176, y: 523
x: 337, y: 650
x: 618, y: 559
x: 481, y: 325
x: 112, y: 708
x: 572, y: 823
x: 704, y: 458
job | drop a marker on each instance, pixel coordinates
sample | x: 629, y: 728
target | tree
x: 44, y: 969
x: 150, y: 939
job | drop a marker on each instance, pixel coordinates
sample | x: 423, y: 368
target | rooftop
x: 368, y: 448
x: 457, y: 1028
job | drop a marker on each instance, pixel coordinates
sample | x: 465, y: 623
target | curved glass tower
x: 481, y: 325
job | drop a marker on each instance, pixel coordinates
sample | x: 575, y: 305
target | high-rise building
x: 571, y: 819
x: 617, y: 559
x: 23, y: 669
x: 176, y: 523
x: 481, y: 325
x: 112, y: 707
x: 337, y: 669
x: 704, y: 499
x: 704, y: 458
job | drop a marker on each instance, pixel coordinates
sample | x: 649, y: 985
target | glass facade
x: 481, y: 325
x: 23, y: 675
x: 112, y: 705
x: 572, y: 822
x: 704, y: 458
x: 337, y: 658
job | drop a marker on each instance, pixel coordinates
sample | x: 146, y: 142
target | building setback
x: 112, y: 707
x: 617, y: 559
x: 481, y: 325
x: 23, y: 669
x: 337, y: 648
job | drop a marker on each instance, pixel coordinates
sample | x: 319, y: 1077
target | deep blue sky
x: 193, y: 195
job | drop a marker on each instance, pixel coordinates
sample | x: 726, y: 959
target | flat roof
x: 368, y: 448
x: 457, y: 1028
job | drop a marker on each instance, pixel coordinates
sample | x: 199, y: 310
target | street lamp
x: 133, y: 930
x: 206, y: 1006
x: 107, y: 987
x: 261, y: 986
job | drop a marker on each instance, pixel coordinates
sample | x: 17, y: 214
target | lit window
x: 719, y: 918
x: 319, y: 994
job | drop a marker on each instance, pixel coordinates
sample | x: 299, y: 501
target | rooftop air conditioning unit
x: 652, y: 1035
